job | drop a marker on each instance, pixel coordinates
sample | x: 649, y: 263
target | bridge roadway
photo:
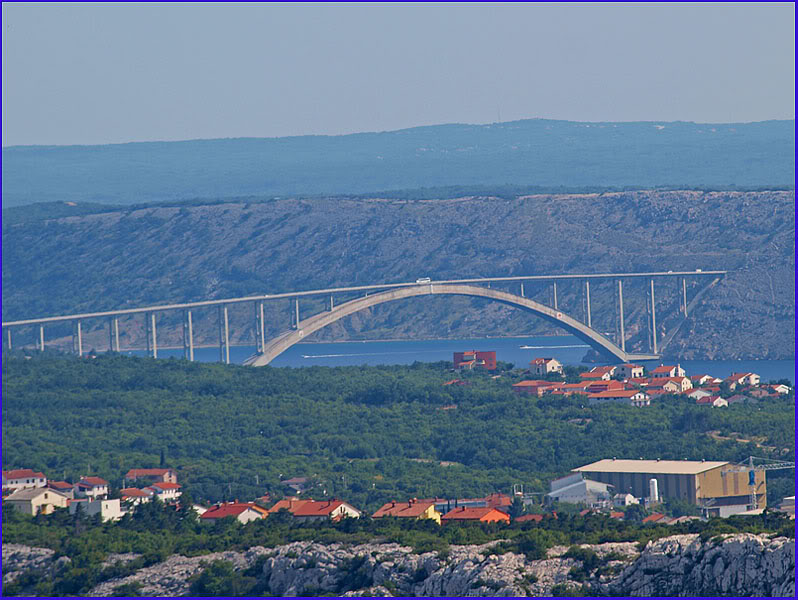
x: 343, y: 290
x: 312, y: 324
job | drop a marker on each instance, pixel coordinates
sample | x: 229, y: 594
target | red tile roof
x: 485, y: 514
x: 615, y: 394
x: 321, y: 508
x: 290, y: 504
x: 413, y: 509
x: 232, y: 509
x: 23, y: 474
x: 654, y: 518
x: 59, y: 485
x: 525, y: 518
x: 92, y: 482
x: 133, y: 493
x: 616, y: 515
x: 134, y: 473
x: 165, y: 485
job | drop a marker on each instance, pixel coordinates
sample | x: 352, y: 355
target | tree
x: 163, y: 458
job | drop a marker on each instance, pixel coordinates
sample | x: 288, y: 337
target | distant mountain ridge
x: 533, y: 152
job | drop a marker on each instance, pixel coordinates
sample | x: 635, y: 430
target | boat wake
x: 547, y: 347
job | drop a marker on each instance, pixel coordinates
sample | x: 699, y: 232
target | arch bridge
x: 380, y: 293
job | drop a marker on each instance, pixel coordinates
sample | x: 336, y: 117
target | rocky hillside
x: 127, y: 258
x: 682, y: 565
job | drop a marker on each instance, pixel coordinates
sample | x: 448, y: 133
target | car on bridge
x: 424, y: 280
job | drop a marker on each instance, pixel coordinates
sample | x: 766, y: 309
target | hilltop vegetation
x: 367, y: 434
x: 119, y: 258
x: 534, y: 152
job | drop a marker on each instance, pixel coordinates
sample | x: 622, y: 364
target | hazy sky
x: 91, y: 73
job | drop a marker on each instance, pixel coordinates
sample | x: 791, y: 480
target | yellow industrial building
x: 722, y: 488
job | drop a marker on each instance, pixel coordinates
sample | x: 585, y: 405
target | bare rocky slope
x: 682, y: 565
x: 128, y: 258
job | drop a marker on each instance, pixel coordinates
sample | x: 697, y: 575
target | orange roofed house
x: 152, y: 475
x: 474, y: 359
x: 322, y: 510
x: 544, y: 366
x: 409, y: 510
x: 289, y: 504
x: 244, y: 512
x: 483, y: 514
x: 20, y: 479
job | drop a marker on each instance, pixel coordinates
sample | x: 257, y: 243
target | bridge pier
x: 260, y: 328
x: 8, y: 331
x: 555, y: 295
x: 188, y: 336
x: 41, y: 338
x: 296, y: 313
x: 154, y: 335
x: 113, y: 334
x: 684, y: 295
x: 653, y: 319
x: 587, y: 297
x: 522, y: 291
x: 77, y: 339
x: 224, y: 336
x: 620, y: 312
x: 332, y: 303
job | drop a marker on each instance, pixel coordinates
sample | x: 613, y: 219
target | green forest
x: 365, y: 434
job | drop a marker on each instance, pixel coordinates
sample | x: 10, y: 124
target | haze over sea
x: 517, y: 350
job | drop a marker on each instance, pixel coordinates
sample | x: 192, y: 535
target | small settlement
x: 629, y: 384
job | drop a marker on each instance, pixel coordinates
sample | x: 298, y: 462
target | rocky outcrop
x: 18, y: 559
x: 683, y: 565
x: 739, y: 565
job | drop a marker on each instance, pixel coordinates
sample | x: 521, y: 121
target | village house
x: 109, y: 510
x: 19, y: 479
x: 713, y: 401
x: 629, y: 371
x: 91, y: 487
x: 699, y: 393
x: 134, y: 496
x: 682, y: 383
x: 738, y: 398
x: 624, y: 500
x: 475, y: 360
x: 544, y: 366
x: 594, y: 387
x: 244, y: 512
x: 668, y: 371
x: 63, y: 487
x: 483, y: 514
x: 744, y: 378
x: 36, y: 500
x: 413, y: 509
x: 536, y: 387
x: 633, y: 397
x: 780, y: 388
x: 665, y: 384
x: 166, y: 491
x: 527, y: 518
x: 289, y: 504
x: 699, y: 380
x: 152, y: 475
x: 322, y: 510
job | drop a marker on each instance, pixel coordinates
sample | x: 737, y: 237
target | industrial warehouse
x: 719, y: 488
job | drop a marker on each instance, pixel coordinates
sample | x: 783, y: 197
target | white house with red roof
x: 109, y: 510
x: 165, y: 490
x: 780, y: 388
x: 244, y: 512
x: 633, y: 397
x: 544, y: 366
x: 629, y: 371
x: 699, y: 380
x: 743, y: 379
x: 668, y: 371
x: 20, y: 479
x: 134, y: 496
x: 64, y: 487
x: 91, y: 487
x: 152, y: 475
x: 323, y: 510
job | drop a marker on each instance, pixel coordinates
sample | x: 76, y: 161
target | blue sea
x: 569, y: 350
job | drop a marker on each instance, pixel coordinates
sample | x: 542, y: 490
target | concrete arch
x: 312, y: 324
